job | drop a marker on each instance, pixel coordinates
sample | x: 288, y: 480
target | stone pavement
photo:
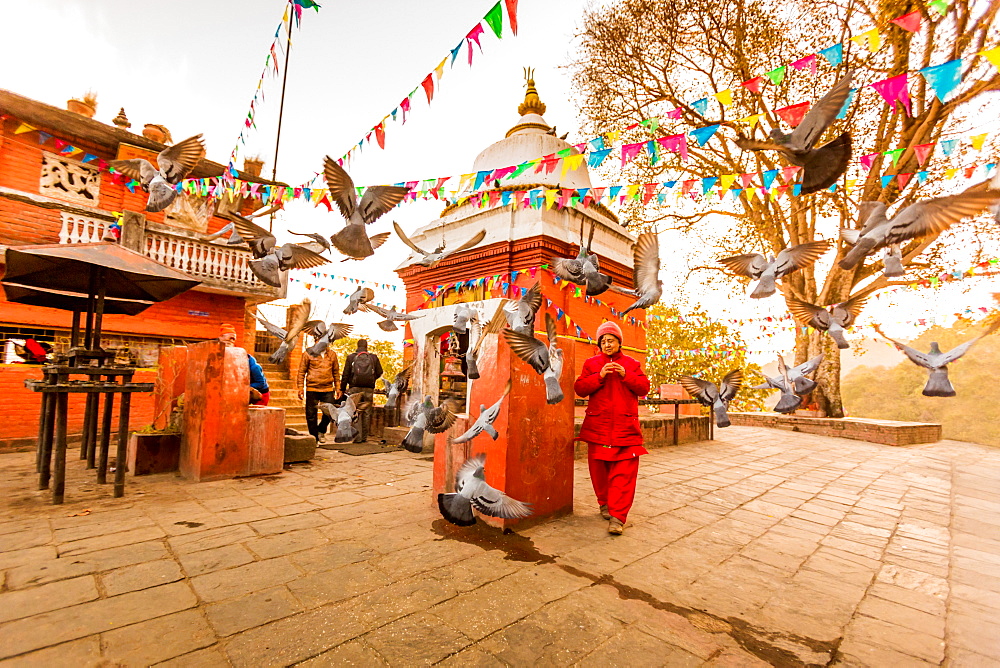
x: 763, y: 547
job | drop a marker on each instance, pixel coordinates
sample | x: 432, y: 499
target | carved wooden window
x: 69, y: 180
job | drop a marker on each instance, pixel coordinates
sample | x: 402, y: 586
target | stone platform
x: 886, y: 432
x: 658, y: 431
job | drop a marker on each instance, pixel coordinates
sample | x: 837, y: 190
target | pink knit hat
x: 610, y: 328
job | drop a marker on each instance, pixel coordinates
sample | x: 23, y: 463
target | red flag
x: 512, y: 14
x: 793, y: 114
x: 902, y: 180
x: 922, y: 151
x: 753, y: 84
x: 909, y: 22
x: 747, y: 179
x: 473, y: 36
x: 788, y: 173
x: 380, y: 134
x: 428, y: 84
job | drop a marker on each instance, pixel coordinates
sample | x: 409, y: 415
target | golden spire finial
x: 532, y: 103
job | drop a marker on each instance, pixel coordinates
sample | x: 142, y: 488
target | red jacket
x: 613, y: 410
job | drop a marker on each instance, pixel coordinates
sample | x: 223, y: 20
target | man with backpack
x: 361, y: 370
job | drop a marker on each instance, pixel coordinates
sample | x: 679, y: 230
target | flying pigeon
x: 391, y: 316
x: 352, y: 240
x: 755, y: 265
x: 398, y: 386
x: 520, y: 314
x: 789, y: 400
x: 585, y: 268
x: 425, y: 416
x: 821, y: 166
x: 472, y: 356
x: 431, y: 259
x: 173, y: 164
x: 471, y: 491
x: 269, y: 259
x: 343, y: 413
x: 234, y: 236
x: 290, y: 337
x: 920, y: 219
x: 463, y: 314
x: 936, y: 362
x: 358, y: 297
x: 797, y: 375
x: 318, y: 238
x: 547, y: 361
x: 717, y: 398
x: 835, y: 321
x: 645, y: 272
x: 325, y: 335
x: 485, y: 420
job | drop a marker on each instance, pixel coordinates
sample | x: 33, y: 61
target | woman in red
x: 614, y: 382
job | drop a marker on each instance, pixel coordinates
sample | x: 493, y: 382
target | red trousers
x: 614, y: 484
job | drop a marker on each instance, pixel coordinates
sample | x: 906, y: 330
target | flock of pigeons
x: 821, y: 166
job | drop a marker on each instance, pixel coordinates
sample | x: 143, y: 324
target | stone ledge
x: 658, y: 431
x: 886, y: 432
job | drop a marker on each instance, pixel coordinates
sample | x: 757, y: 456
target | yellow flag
x: 726, y: 180
x: 23, y: 127
x: 978, y: 140
x: 752, y: 120
x: 950, y: 173
x: 570, y: 163
x: 439, y: 70
x: 992, y: 55
x: 632, y: 190
x: 466, y: 181
x: 612, y: 136
x: 872, y: 38
x: 849, y: 185
x: 550, y: 197
x: 724, y: 97
x: 750, y: 192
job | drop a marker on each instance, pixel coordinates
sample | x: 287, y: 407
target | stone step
x: 280, y: 383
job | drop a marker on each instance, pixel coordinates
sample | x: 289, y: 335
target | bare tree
x: 641, y: 58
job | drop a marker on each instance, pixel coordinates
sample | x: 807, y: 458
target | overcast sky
x: 193, y: 66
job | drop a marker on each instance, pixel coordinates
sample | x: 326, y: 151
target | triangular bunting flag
x: 24, y: 127
x: 922, y: 151
x: 700, y: 105
x: 793, y: 114
x: 380, y: 134
x: 871, y: 37
x: 847, y: 103
x: 474, y: 36
x: 630, y: 151
x: 776, y: 75
x: 833, y: 54
x: 807, y: 62
x: 494, y: 19
x: 992, y: 55
x: 887, y: 179
x: 726, y: 181
x: 702, y: 135
x: 978, y: 141
x: 725, y: 97
x: 753, y: 85
x: 708, y: 183
x: 895, y: 155
x: 947, y: 146
x: 894, y: 90
x: 752, y: 120
x: 902, y: 180
x: 428, y: 84
x: 788, y: 173
x: 909, y: 22
x: 511, y: 15
x: 943, y: 78
x: 768, y: 177
x: 868, y: 160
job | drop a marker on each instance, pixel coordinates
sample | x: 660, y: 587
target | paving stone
x: 285, y: 543
x: 52, y: 570
x: 210, y: 539
x: 635, y: 649
x: 353, y: 653
x: 294, y: 638
x: 140, y: 576
x: 82, y: 652
x: 472, y: 657
x: 215, y: 559
x: 289, y: 523
x: 419, y: 639
x: 879, y: 633
x: 157, y: 640
x: 916, y: 620
x: 209, y: 657
x: 104, y: 542
x: 28, y: 538
x: 240, y: 614
x: 27, y: 602
x: 242, y: 580
x: 30, y: 555
x: 337, y: 584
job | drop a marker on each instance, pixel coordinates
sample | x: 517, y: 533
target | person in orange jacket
x: 613, y: 382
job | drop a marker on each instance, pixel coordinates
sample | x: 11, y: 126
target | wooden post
x: 134, y: 231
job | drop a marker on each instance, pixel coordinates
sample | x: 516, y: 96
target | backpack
x: 363, y: 370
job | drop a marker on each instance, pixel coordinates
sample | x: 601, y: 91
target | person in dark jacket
x: 361, y: 370
x: 258, y: 382
x: 613, y: 382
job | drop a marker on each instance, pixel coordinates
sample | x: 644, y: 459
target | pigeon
x: 936, y: 362
x: 391, y: 316
x: 358, y: 297
x: 352, y: 240
x: 290, y: 337
x: 234, y: 236
x: 269, y: 259
x: 485, y: 420
x: 920, y: 219
x: 716, y: 398
x: 325, y: 335
x: 645, y: 273
x: 343, y: 414
x: 434, y: 257
x: 585, y: 268
x: 318, y: 238
x: 472, y: 356
x: 398, y: 386
x: 790, y: 400
x: 822, y: 166
x: 800, y: 384
x: 173, y: 164
x: 755, y: 265
x: 463, y: 314
x: 520, y: 314
x: 547, y: 361
x: 893, y: 261
x: 835, y: 320
x: 471, y: 491
x: 425, y: 416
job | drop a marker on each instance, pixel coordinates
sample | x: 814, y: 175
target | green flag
x: 494, y: 18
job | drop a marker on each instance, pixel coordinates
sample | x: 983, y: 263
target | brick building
x: 55, y: 188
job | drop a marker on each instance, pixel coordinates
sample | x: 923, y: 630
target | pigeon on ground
x: 584, y: 269
x: 472, y: 356
x: 822, y: 166
x: 318, y: 238
x: 325, y: 335
x: 485, y: 420
x: 463, y: 314
x: 545, y: 360
x: 920, y: 219
x: 755, y: 265
x: 398, y: 386
x: 936, y: 362
x: 716, y: 398
x: 800, y: 384
x: 391, y: 316
x: 646, y: 284
x: 425, y: 416
x: 352, y: 240
x: 434, y: 257
x: 520, y: 314
x: 835, y: 320
x: 289, y: 338
x: 358, y: 297
x: 471, y: 491
x: 343, y: 413
x: 173, y: 164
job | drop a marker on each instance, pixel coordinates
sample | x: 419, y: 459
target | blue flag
x: 702, y: 135
x: 943, y: 78
x: 833, y: 54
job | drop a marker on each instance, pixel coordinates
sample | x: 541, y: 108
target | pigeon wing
x: 492, y: 327
x: 249, y: 230
x: 177, y: 161
x: 137, y: 169
x: 569, y: 269
x: 915, y: 356
x: 799, y: 257
x: 870, y: 215
x: 533, y: 298
x: 804, y: 312
x: 958, y: 351
x: 821, y: 115
x: 529, y: 349
x: 406, y: 240
x: 751, y: 265
x: 702, y: 390
x: 440, y: 419
x: 341, y: 187
x: 731, y: 384
x: 493, y: 502
x: 339, y: 330
x: 933, y: 216
x: 379, y: 200
x: 295, y: 256
x: 757, y: 145
x: 853, y: 307
x: 385, y: 313
x: 469, y: 244
x: 273, y: 330
x: 807, y: 368
x: 377, y: 240
x: 646, y: 256
x: 550, y: 328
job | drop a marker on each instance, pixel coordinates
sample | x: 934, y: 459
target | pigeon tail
x: 598, y: 284
x: 414, y: 441
x: 803, y: 385
x: 279, y: 355
x: 489, y: 429
x: 838, y: 337
x: 824, y: 165
x: 553, y: 391
x: 857, y: 254
x: 161, y: 195
x: 788, y: 403
x: 893, y: 266
x: 456, y: 509
x: 765, y: 287
x: 938, y: 384
x: 721, y: 416
x: 345, y: 435
x: 353, y: 241
x: 387, y: 326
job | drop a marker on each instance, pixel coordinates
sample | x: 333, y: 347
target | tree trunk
x: 827, y: 395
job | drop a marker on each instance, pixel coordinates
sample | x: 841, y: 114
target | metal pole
x: 281, y: 108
